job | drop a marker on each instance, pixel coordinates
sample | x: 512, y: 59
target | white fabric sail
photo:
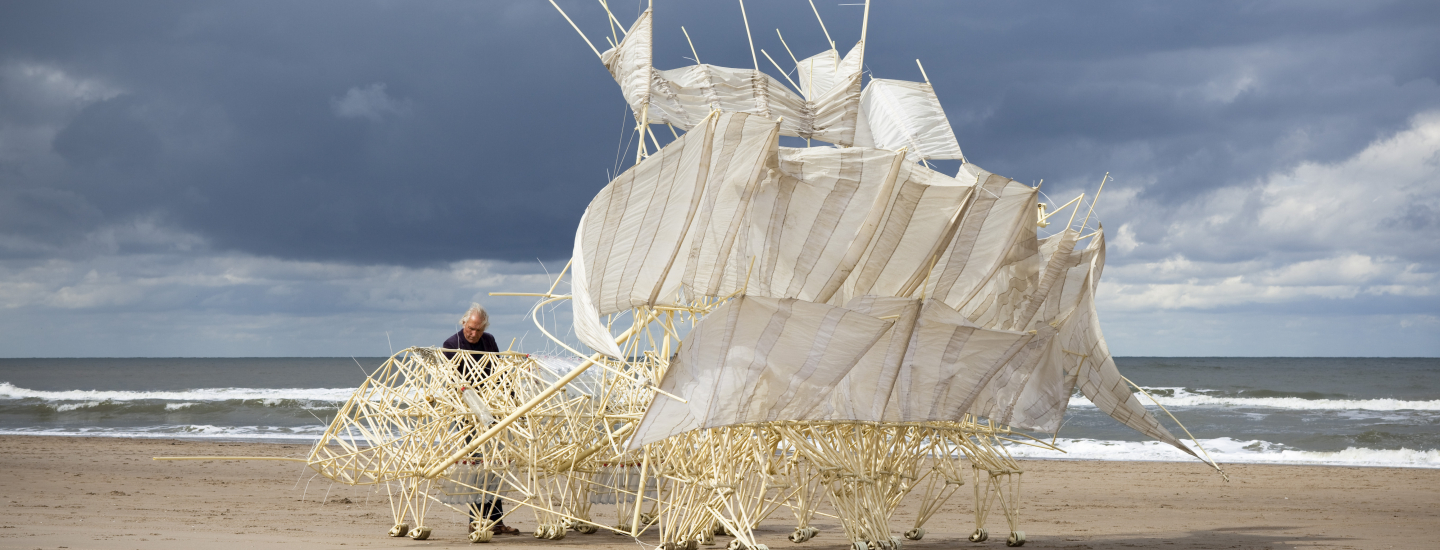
x: 923, y: 212
x: 758, y: 359
x: 837, y: 249
x: 814, y: 217
x: 948, y: 361
x: 686, y: 95
x: 822, y: 73
x: 1002, y: 212
x: 669, y: 222
x: 865, y: 391
x: 899, y: 113
x: 1033, y: 389
x: 1098, y: 378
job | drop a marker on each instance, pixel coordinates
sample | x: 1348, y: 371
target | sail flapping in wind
x: 868, y: 287
x: 896, y: 114
x: 684, y: 96
x: 758, y: 359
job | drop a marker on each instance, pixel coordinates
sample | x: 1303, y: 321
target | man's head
x: 474, y: 323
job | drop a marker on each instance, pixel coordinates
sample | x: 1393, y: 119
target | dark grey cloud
x: 421, y: 132
x: 334, y: 177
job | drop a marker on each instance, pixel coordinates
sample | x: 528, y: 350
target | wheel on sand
x: 481, y: 535
x: 979, y: 535
x: 915, y: 534
x: 399, y: 530
x: 420, y: 533
x: 1017, y: 538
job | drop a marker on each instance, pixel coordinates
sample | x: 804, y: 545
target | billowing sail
x: 1002, y: 212
x: 1098, y: 378
x: 670, y: 221
x: 897, y: 114
x: 683, y: 97
x: 758, y: 359
x: 874, y: 288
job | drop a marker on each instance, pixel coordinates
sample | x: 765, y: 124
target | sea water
x: 1339, y: 411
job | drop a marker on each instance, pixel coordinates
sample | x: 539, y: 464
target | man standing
x: 472, y: 337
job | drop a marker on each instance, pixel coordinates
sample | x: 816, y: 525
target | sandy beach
x: 70, y: 492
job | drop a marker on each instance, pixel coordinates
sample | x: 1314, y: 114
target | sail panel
x: 669, y: 220
x: 922, y: 214
x: 899, y: 113
x: 1097, y: 376
x: 811, y: 213
x: 1001, y: 212
x: 758, y: 359
x: 684, y: 96
x: 948, y: 360
x: 865, y: 391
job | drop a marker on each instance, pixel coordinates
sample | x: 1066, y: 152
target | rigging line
x: 615, y: 168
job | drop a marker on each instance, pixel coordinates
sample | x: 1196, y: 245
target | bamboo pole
x: 782, y: 72
x: 1093, y: 201
x: 613, y: 21
x: 822, y: 25
x: 692, y: 46
x: 439, y: 468
x: 287, y: 459
x: 753, y: 59
x: 577, y: 29
x: 1062, y: 207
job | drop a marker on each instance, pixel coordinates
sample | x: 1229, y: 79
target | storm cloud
x: 243, y: 172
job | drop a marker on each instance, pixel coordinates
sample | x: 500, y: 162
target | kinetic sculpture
x: 836, y: 326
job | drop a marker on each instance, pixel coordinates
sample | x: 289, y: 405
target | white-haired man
x: 472, y: 337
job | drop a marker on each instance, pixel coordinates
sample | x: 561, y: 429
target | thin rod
x: 1072, y: 215
x: 520, y: 411
x: 782, y: 71
x: 922, y: 72
x: 1182, y: 426
x: 1095, y: 200
x: 787, y: 47
x: 613, y: 21
x: 692, y: 45
x: 576, y: 27
x: 865, y: 24
x: 753, y: 59
x: 1062, y: 207
x: 822, y: 24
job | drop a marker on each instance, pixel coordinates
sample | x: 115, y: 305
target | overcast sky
x: 315, y: 178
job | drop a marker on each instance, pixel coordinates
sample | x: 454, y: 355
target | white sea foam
x: 1227, y: 450
x: 1182, y: 398
x: 269, y: 396
x: 82, y: 405
x: 201, y: 431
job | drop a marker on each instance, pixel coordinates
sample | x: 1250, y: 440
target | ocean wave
x: 1182, y: 397
x: 267, y: 395
x: 1228, y: 450
x: 186, y: 431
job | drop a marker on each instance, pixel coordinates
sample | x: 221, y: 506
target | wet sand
x: 64, y: 492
